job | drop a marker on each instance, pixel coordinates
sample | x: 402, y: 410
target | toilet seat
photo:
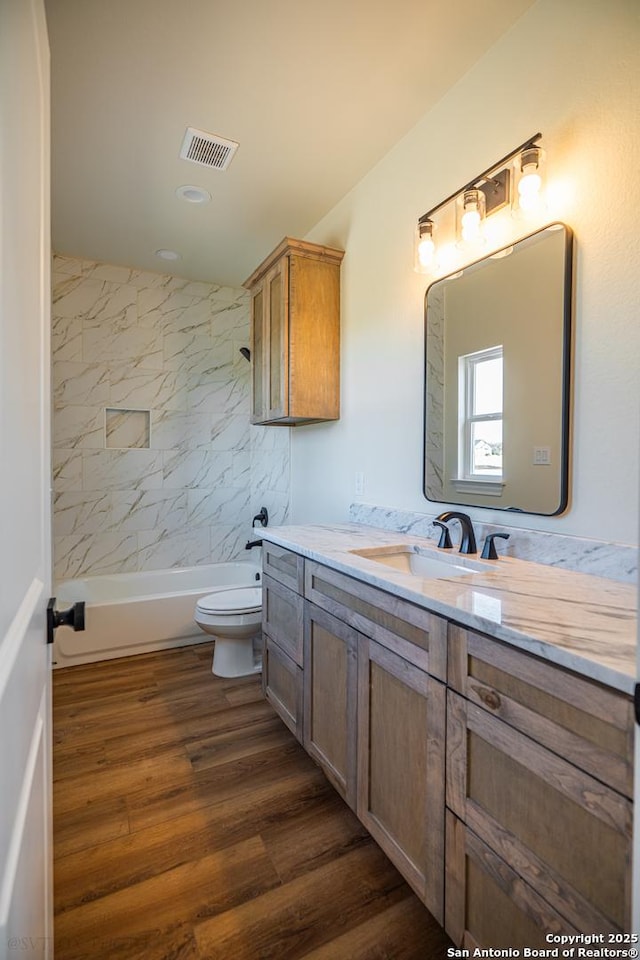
x: 235, y: 600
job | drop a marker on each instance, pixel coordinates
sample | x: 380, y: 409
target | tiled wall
x: 177, y: 484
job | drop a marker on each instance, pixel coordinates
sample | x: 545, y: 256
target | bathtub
x: 129, y: 613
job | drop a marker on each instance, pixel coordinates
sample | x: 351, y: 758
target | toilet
x: 233, y: 616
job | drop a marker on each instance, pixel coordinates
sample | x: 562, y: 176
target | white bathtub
x: 128, y: 613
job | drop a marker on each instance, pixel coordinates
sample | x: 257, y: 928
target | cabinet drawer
x: 283, y: 617
x: 565, y: 833
x: 410, y: 631
x: 486, y: 902
x: 284, y: 566
x: 583, y: 722
x: 282, y: 685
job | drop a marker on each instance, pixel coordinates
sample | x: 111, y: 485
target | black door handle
x: 71, y: 617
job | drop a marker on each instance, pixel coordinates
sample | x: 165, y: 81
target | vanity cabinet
x: 539, y: 767
x: 295, y: 335
x: 498, y: 783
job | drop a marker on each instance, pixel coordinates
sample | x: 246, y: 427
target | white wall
x: 570, y: 69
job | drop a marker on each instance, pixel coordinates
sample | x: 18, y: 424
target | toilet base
x: 234, y: 658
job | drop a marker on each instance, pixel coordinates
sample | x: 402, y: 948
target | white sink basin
x: 424, y: 562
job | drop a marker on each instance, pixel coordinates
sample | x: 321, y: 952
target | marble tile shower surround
x: 185, y: 492
x: 600, y: 558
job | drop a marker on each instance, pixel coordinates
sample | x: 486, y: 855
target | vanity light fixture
x: 516, y: 180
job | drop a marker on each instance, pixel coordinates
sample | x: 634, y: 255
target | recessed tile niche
x: 127, y: 428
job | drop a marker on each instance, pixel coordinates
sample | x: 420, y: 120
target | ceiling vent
x: 207, y: 149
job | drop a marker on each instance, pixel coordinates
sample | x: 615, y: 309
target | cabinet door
x: 276, y: 292
x: 401, y: 729
x: 282, y: 617
x: 487, y: 904
x: 330, y: 698
x: 564, y: 832
x: 258, y: 356
x: 282, y: 685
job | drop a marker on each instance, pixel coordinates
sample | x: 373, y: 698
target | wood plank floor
x: 189, y: 824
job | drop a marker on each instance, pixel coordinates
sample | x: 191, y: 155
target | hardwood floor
x: 189, y: 824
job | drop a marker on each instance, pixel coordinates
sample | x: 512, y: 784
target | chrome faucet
x: 468, y: 539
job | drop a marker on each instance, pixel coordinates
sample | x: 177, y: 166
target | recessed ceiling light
x: 168, y: 254
x: 193, y: 194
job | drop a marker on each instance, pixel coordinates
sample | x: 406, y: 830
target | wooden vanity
x: 498, y: 782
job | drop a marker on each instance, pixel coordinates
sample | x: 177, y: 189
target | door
x: 331, y: 698
x: 276, y: 285
x: 401, y: 740
x: 25, y: 564
x: 636, y: 823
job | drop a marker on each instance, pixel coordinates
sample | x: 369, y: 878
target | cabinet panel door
x: 330, y: 698
x: 565, y: 833
x: 282, y: 685
x: 486, y: 902
x: 258, y: 356
x: 276, y: 292
x: 401, y: 728
x: 283, y: 617
x: 587, y: 724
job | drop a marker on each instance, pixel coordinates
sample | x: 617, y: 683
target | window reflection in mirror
x: 497, y: 379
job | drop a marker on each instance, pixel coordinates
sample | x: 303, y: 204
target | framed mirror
x: 497, y: 378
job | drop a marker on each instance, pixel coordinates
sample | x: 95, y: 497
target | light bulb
x: 529, y: 187
x: 426, y: 250
x: 471, y: 225
x: 530, y: 181
x: 471, y: 213
x: 424, y: 246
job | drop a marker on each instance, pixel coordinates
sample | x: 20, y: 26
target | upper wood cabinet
x: 295, y: 335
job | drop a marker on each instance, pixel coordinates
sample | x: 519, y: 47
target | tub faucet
x: 468, y: 539
x: 252, y: 543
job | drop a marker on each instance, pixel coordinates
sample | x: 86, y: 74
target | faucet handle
x: 489, y: 551
x: 445, y: 537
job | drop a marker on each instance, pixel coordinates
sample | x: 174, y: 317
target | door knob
x: 71, y: 617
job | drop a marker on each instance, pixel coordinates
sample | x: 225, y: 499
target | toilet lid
x: 236, y: 600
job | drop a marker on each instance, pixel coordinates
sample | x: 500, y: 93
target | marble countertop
x: 579, y: 621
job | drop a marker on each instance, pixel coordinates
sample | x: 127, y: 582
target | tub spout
x: 252, y: 543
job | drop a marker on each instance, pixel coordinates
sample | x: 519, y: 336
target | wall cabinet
x: 525, y: 827
x: 295, y: 335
